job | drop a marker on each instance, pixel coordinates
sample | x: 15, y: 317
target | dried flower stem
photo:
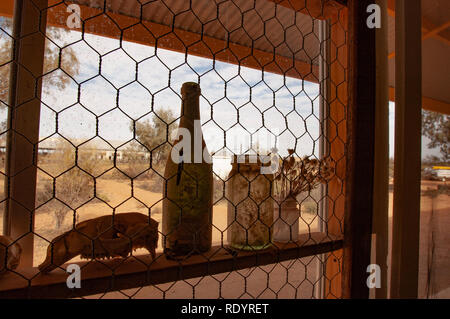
x: 302, y: 175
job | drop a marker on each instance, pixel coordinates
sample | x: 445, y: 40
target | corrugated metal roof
x: 260, y: 24
x: 263, y: 25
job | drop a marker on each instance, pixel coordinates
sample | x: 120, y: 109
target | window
x: 271, y: 78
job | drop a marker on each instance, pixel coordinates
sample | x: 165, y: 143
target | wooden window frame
x: 341, y: 279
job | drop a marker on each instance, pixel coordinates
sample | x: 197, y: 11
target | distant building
x: 442, y: 172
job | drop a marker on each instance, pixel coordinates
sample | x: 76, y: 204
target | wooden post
x: 381, y: 165
x: 408, y: 97
x: 359, y: 200
x: 23, y: 123
x: 336, y: 136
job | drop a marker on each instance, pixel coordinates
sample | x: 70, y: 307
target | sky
x: 117, y: 99
x: 219, y: 114
x: 425, y: 150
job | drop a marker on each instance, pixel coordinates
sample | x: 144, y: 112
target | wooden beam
x: 443, y: 39
x: 435, y: 105
x: 436, y: 30
x: 318, y: 9
x: 428, y: 34
x: 391, y: 8
x: 428, y: 104
x: 381, y: 163
x: 141, y: 271
x: 408, y: 116
x: 7, y: 8
x: 23, y: 123
x: 426, y: 24
x: 362, y: 104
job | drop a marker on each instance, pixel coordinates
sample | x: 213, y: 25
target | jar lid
x: 248, y: 162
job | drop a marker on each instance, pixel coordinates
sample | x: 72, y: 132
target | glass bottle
x: 188, y: 190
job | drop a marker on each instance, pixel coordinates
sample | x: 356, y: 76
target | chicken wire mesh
x: 272, y: 83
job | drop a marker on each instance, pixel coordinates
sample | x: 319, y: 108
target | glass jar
x: 286, y: 217
x: 250, y: 205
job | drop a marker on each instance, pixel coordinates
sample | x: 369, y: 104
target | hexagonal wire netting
x: 110, y: 101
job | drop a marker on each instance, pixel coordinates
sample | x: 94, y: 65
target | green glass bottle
x: 187, y: 205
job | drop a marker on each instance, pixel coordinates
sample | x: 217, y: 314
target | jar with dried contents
x: 286, y: 221
x: 250, y: 205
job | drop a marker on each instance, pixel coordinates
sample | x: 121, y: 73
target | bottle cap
x: 189, y: 88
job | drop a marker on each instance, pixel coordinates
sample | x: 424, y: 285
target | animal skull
x: 9, y: 254
x: 100, y: 238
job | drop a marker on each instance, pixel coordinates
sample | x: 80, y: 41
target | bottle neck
x: 190, y: 120
x: 190, y: 109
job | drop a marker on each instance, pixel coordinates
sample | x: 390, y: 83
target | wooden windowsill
x: 99, y: 276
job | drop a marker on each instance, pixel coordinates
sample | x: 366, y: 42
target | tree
x: 436, y: 127
x: 69, y: 60
x: 136, y: 159
x: 73, y: 187
x: 154, y: 134
x: 432, y: 160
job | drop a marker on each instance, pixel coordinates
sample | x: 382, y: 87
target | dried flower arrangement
x: 302, y: 175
